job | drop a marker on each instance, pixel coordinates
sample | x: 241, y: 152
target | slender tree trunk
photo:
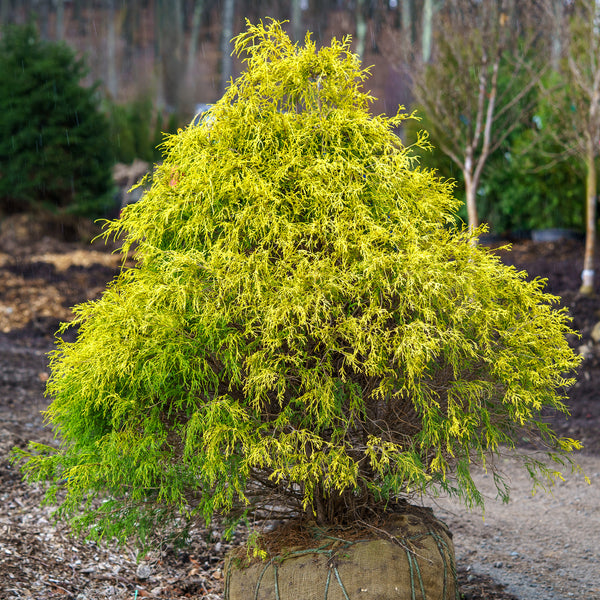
x: 471, y: 198
x: 557, y: 21
x: 6, y: 15
x: 427, y: 32
x: 587, y: 275
x: 226, y: 35
x: 361, y: 28
x: 111, y: 51
x: 60, y: 19
x: 407, y: 21
x: 194, y: 33
x: 192, y: 50
x: 321, y: 514
x: 42, y: 13
x: 158, y: 66
x: 79, y: 8
x: 131, y: 33
x: 296, y: 18
x: 473, y: 169
x: 171, y: 52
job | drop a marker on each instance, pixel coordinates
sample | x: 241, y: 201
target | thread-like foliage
x: 305, y: 331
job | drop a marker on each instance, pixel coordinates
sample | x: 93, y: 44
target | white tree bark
x: 427, y: 31
x: 470, y: 194
x: 296, y: 21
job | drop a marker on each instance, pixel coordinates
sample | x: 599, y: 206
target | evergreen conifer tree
x: 305, y: 332
x: 54, y: 143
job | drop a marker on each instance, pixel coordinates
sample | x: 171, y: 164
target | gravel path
x: 542, y: 546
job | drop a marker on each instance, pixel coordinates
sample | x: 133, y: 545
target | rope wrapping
x: 417, y: 564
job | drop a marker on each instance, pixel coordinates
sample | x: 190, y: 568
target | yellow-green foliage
x: 305, y: 328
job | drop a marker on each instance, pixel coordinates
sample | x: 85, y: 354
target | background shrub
x: 526, y: 188
x: 136, y: 130
x: 54, y: 146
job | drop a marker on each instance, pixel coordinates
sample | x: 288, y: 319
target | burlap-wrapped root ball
x: 410, y: 556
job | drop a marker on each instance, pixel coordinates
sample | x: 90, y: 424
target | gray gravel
x: 542, y: 546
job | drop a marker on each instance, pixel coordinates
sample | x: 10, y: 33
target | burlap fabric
x: 411, y: 557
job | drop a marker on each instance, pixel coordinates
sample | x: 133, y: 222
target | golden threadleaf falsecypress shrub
x: 305, y: 330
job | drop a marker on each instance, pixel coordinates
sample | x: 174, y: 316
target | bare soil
x: 542, y: 547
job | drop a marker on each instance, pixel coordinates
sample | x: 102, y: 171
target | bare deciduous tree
x: 479, y: 83
x: 576, y: 104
